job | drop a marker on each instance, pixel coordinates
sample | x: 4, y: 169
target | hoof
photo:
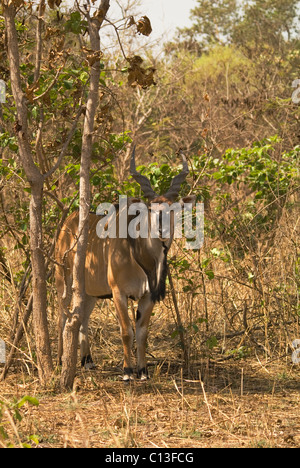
x: 142, y: 374
x: 128, y: 378
x: 128, y: 374
x: 87, y: 363
x: 144, y: 378
x: 89, y: 366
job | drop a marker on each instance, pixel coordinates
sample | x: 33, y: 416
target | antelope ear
x: 189, y: 199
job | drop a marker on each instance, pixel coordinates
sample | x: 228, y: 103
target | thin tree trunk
x: 36, y: 180
x: 19, y: 329
x: 17, y: 338
x: 39, y: 285
x: 71, y: 331
x: 179, y: 323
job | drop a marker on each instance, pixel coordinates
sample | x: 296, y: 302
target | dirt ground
x: 243, y: 403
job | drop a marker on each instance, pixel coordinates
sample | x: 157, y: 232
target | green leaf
x: 75, y: 24
x: 210, y: 274
x: 75, y: 16
x: 3, y: 433
x: 215, y: 252
x: 32, y: 400
x: 251, y: 277
x: 212, y: 342
x: 13, y: 147
x: 68, y: 84
x: 18, y: 415
x: 202, y: 320
x: 34, y: 439
x: 96, y: 180
x: 84, y: 77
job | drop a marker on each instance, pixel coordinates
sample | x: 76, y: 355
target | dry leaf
x: 131, y: 21
x: 16, y: 3
x: 144, y: 26
x: 29, y: 91
x: 135, y: 61
x: 59, y: 44
x: 92, y: 56
x: 139, y: 76
x: 51, y: 32
x: 51, y: 4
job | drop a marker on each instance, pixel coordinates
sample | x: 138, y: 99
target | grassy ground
x: 230, y: 404
x: 222, y: 398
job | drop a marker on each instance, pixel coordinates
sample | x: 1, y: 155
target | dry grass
x: 232, y: 396
x: 236, y: 404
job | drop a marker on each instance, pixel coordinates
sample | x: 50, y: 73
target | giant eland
x: 119, y: 268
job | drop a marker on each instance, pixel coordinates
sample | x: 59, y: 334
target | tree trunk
x: 39, y: 285
x: 36, y: 180
x: 71, y: 331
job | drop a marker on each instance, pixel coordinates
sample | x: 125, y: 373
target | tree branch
x: 66, y: 145
x: 39, y: 43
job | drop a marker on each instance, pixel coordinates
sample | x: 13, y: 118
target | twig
x: 39, y: 43
x: 205, y: 398
x: 17, y: 338
x: 40, y: 96
x: 12, y: 423
x: 66, y: 145
x: 178, y: 317
x: 118, y: 36
x: 181, y: 393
